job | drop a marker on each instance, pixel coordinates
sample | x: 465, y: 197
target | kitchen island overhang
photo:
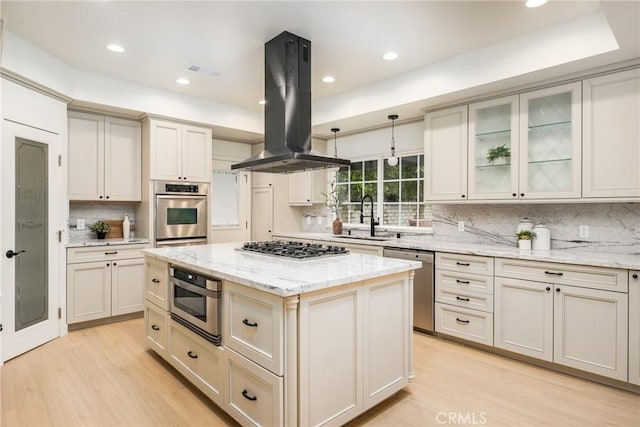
x: 304, y: 342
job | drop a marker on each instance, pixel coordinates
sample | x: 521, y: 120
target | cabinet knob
x: 514, y: 195
x: 557, y: 289
x: 101, y: 197
x: 463, y: 196
x: 521, y: 194
x: 114, y: 264
x: 108, y: 264
x: 107, y: 197
x: 548, y: 288
x: 635, y: 276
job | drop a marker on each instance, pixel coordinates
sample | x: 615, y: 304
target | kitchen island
x: 304, y: 342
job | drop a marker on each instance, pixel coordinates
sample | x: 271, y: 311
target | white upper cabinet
x: 104, y: 158
x: 611, y: 135
x: 179, y: 152
x: 306, y: 188
x: 550, y: 143
x: 445, y: 147
x: 493, y: 149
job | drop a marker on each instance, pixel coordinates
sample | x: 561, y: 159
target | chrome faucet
x: 373, y: 223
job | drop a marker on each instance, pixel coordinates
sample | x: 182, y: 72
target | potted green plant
x: 524, y: 239
x: 495, y: 153
x: 100, y: 228
x: 333, y: 202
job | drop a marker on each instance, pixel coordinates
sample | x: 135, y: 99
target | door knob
x: 10, y: 253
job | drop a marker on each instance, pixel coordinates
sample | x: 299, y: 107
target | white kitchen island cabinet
x: 303, y: 343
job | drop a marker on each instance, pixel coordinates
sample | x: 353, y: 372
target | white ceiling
x: 162, y: 38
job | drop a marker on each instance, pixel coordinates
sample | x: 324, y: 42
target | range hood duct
x: 287, y: 117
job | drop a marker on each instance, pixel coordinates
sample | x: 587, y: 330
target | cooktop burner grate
x: 295, y: 250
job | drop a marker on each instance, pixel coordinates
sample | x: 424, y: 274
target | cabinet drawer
x: 197, y: 359
x: 611, y: 279
x: 156, y: 285
x: 465, y: 282
x: 354, y: 248
x: 104, y: 253
x: 465, y: 263
x: 254, y: 325
x: 254, y: 395
x: 156, y: 326
x: 464, y: 298
x: 463, y: 323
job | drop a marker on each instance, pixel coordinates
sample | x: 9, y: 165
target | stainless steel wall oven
x: 180, y: 213
x: 196, y: 302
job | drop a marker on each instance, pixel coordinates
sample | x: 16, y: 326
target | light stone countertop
x: 276, y: 275
x: 106, y: 242
x: 431, y: 243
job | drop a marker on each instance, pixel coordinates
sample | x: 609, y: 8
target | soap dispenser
x: 126, y: 227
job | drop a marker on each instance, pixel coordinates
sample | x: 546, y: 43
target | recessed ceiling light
x: 115, y: 48
x: 328, y: 79
x: 390, y: 56
x: 182, y: 81
x: 262, y: 102
x: 534, y: 3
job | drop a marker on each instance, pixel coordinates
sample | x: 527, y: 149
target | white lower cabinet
x: 358, y: 332
x: 156, y: 326
x: 197, y: 359
x: 579, y: 327
x: 634, y: 327
x: 110, y: 285
x: 254, y: 396
x: 472, y: 325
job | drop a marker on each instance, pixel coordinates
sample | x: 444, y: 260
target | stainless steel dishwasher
x: 422, y: 286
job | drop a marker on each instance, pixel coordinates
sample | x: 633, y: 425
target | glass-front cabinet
x: 526, y: 146
x: 550, y: 143
x: 493, y: 143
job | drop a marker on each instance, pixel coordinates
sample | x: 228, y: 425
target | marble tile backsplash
x: 613, y: 227
x: 92, y: 212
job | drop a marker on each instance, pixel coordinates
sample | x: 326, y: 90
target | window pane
x: 371, y: 170
x: 356, y: 171
x: 343, y: 192
x: 356, y: 192
x: 391, y: 172
x: 343, y: 174
x: 391, y: 191
x: 422, y: 166
x: 409, y: 191
x: 371, y: 188
x: 409, y: 166
x: 421, y: 190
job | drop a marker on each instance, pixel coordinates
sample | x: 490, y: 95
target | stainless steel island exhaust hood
x: 287, y: 117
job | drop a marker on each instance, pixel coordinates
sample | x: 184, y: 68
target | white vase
x: 524, y: 245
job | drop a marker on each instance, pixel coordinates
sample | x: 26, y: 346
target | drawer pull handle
x: 553, y: 273
x: 155, y: 327
x: 155, y: 280
x: 462, y: 321
x: 111, y: 253
x: 462, y: 299
x: 464, y: 264
x: 192, y: 354
x: 464, y: 282
x: 245, y: 393
x: 253, y: 325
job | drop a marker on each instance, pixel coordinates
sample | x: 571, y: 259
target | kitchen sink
x: 375, y: 238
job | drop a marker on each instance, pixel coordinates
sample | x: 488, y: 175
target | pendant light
x: 335, y: 149
x: 393, y: 160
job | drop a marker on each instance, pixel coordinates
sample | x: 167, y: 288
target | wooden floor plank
x: 106, y: 376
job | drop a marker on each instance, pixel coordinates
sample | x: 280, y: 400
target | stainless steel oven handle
x: 195, y: 289
x: 178, y: 196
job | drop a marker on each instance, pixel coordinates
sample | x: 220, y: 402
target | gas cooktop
x: 295, y: 250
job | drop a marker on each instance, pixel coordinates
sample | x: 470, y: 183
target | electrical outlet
x: 80, y: 224
x: 583, y: 231
x: 460, y: 225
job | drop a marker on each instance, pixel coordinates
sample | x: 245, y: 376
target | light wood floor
x: 105, y: 376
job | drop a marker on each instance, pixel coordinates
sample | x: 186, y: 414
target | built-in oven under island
x: 304, y: 341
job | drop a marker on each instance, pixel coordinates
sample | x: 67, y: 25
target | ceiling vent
x: 203, y: 70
